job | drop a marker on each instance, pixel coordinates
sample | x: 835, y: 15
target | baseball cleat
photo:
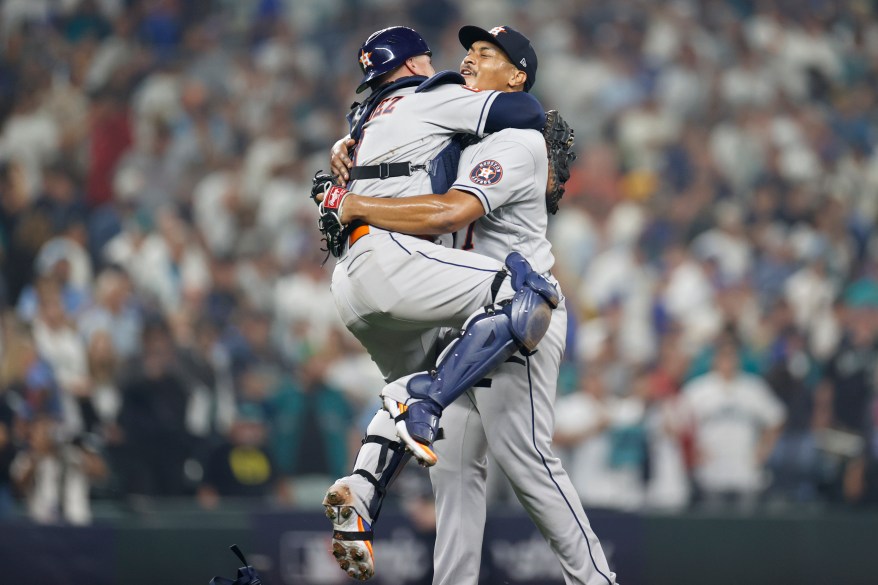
x: 351, y: 534
x: 421, y: 451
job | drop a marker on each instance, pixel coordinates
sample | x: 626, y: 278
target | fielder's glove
x: 559, y: 144
x: 247, y: 575
x: 329, y: 222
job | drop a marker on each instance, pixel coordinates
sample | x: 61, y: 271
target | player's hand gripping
x: 329, y: 198
x: 339, y: 161
x: 320, y: 184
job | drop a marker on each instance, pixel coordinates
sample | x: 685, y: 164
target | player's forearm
x: 427, y: 215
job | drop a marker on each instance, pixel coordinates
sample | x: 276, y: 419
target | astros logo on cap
x: 487, y: 172
x: 497, y: 30
x: 365, y: 60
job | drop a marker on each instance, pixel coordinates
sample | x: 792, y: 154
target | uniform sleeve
x: 515, y: 110
x: 501, y: 174
x: 458, y: 108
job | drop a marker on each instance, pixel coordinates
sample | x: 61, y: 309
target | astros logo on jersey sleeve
x: 487, y: 172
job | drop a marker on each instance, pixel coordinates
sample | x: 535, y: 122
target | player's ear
x: 415, y: 65
x: 518, y: 78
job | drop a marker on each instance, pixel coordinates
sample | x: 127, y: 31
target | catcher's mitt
x: 559, y: 143
x: 329, y: 224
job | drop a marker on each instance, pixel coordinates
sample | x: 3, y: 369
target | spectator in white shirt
x: 607, y: 442
x: 737, y: 420
x: 115, y: 312
x: 58, y: 343
x: 55, y: 477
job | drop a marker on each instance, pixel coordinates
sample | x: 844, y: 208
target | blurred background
x: 173, y: 375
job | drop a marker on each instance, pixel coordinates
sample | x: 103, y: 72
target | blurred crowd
x: 166, y: 323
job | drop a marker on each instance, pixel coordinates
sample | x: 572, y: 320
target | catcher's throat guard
x: 247, y: 575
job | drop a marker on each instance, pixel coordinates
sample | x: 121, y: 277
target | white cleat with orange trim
x: 351, y: 535
x: 421, y: 451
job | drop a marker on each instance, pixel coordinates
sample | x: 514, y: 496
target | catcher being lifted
x: 329, y: 195
x: 395, y: 287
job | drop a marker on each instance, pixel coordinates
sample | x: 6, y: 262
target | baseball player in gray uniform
x: 393, y: 290
x: 499, y: 198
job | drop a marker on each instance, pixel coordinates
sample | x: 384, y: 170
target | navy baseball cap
x: 516, y: 46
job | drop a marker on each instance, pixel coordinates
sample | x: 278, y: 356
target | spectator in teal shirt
x: 311, y: 421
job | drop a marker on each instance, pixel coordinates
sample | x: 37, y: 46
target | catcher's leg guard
x: 487, y: 340
x: 392, y: 457
x: 353, y: 503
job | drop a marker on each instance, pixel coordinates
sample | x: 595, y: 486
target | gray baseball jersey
x: 504, y: 171
x: 415, y: 127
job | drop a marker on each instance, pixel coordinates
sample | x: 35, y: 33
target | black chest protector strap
x: 385, y: 170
